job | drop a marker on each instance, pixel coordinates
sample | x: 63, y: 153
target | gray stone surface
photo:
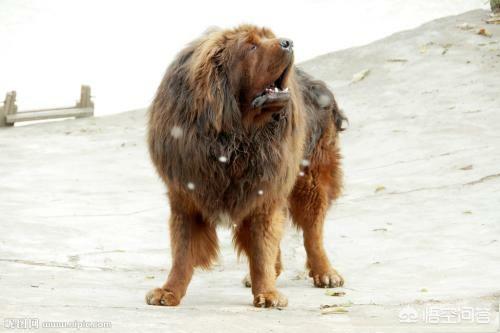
x: 83, y: 214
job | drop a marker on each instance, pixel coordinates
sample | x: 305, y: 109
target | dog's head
x: 243, y: 72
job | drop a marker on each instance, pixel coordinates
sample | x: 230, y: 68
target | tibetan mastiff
x: 242, y: 137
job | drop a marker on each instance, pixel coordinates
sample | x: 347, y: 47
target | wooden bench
x: 9, y: 114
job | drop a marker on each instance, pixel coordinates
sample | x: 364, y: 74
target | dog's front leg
x: 265, y: 228
x: 194, y: 244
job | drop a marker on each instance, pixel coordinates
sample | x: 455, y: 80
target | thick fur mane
x: 199, y: 144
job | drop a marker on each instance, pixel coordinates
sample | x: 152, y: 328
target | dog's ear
x: 211, y: 91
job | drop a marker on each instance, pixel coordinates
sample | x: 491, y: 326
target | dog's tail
x: 326, y: 101
x: 340, y: 119
x: 318, y: 95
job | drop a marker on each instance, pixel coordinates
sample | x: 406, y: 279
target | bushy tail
x: 320, y: 98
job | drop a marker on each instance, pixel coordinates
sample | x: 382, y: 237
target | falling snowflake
x: 260, y: 192
x: 324, y: 101
x: 176, y: 132
x: 190, y: 186
x: 305, y: 163
x: 223, y: 159
x: 301, y: 174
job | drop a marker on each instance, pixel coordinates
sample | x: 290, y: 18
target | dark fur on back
x: 320, y: 107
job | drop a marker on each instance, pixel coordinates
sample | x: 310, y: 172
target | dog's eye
x: 253, y: 47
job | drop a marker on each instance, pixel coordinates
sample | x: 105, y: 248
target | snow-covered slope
x: 83, y: 215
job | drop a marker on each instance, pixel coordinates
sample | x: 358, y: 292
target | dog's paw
x: 329, y: 279
x: 160, y: 296
x: 271, y: 299
x: 247, y: 281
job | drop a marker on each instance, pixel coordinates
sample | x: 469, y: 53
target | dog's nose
x: 286, y: 44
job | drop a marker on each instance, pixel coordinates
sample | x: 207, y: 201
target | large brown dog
x: 238, y: 133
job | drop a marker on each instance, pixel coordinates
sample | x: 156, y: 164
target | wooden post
x: 3, y: 112
x: 9, y: 114
x: 85, y: 98
x: 495, y: 6
x: 9, y: 107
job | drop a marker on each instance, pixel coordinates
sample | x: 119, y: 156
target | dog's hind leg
x: 309, y: 201
x: 194, y: 244
x: 308, y: 213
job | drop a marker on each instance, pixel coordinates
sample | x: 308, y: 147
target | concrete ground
x: 416, y: 233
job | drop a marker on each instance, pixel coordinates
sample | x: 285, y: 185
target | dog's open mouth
x: 274, y: 93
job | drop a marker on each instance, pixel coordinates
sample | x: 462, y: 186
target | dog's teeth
x: 286, y: 90
x: 276, y: 89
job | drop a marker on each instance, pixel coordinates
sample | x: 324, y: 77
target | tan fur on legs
x: 310, y: 217
x: 258, y: 237
x: 194, y: 244
x: 247, y: 280
x: 309, y: 203
x: 278, y: 265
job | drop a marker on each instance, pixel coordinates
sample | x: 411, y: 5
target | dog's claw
x: 271, y: 299
x: 162, y: 297
x: 329, y: 279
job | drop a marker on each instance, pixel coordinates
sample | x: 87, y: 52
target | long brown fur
x: 222, y: 154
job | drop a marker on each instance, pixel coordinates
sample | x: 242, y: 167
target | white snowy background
x: 83, y: 214
x: 121, y: 48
